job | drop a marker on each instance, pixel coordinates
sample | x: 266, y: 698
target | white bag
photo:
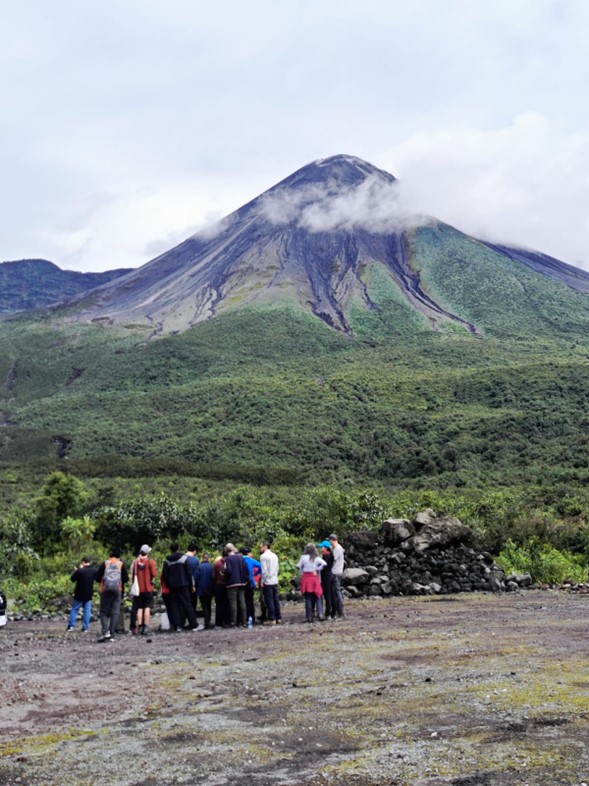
x: 135, y: 587
x: 164, y: 621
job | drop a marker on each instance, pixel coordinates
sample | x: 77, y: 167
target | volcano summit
x: 331, y: 239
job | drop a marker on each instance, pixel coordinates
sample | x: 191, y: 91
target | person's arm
x: 74, y: 576
x: 124, y: 575
x: 99, y: 573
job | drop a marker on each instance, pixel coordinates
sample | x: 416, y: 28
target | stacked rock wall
x: 426, y: 556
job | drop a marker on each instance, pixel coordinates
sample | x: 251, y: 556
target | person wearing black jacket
x: 177, y: 576
x: 84, y: 578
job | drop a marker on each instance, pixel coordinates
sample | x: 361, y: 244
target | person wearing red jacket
x: 145, y: 570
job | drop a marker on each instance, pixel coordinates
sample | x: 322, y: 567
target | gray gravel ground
x: 463, y: 690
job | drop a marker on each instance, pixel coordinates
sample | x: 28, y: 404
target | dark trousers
x: 327, y: 586
x: 206, y: 603
x: 337, y: 595
x: 236, y: 597
x: 250, y: 606
x: 222, y: 612
x: 171, y: 611
x: 110, y: 606
x: 180, y: 598
x: 272, y: 601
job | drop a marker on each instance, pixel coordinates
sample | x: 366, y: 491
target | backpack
x: 112, y: 576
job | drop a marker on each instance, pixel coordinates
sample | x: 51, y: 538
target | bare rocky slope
x: 316, y: 240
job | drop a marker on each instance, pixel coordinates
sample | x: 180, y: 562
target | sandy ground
x: 462, y: 690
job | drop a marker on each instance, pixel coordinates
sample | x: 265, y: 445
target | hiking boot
x: 69, y: 629
x: 104, y: 637
x: 144, y: 630
x: 85, y: 630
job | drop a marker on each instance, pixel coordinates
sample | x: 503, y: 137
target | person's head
x: 333, y: 539
x: 225, y: 553
x: 174, y: 548
x: 144, y: 550
x: 311, y: 551
x: 245, y: 551
x: 114, y: 553
x: 230, y: 549
x: 192, y: 548
x: 85, y: 561
x: 325, y: 547
x: 205, y: 557
x: 264, y: 546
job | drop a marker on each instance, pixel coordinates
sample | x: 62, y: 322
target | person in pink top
x: 310, y: 566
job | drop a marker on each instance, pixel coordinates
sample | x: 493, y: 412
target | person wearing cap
x: 337, y: 570
x: 327, y: 579
x: 144, y: 569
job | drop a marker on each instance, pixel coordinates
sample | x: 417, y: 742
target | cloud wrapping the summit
x: 375, y: 205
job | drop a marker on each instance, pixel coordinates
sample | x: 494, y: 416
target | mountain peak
x: 335, y: 172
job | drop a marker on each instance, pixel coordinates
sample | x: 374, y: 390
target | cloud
x: 524, y: 183
x: 375, y: 204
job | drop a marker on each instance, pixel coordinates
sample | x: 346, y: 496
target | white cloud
x: 525, y: 183
x: 374, y: 204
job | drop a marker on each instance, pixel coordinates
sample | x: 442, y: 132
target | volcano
x: 317, y: 240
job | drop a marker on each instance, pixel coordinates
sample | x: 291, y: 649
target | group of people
x: 234, y: 580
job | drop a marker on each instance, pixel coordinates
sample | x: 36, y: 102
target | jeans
x: 311, y: 600
x: 76, y: 606
x: 272, y: 601
x: 206, y: 602
x: 339, y: 600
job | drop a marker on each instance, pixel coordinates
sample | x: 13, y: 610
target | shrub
x: 544, y: 562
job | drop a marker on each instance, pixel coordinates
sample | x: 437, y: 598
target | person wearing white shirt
x: 269, y: 582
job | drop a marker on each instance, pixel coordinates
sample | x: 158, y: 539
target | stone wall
x: 427, y: 556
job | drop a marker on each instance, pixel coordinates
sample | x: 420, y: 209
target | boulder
x: 394, y: 531
x: 354, y: 576
x: 424, y: 517
x: 362, y: 541
x: 440, y: 533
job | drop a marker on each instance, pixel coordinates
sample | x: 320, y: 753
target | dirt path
x: 462, y: 690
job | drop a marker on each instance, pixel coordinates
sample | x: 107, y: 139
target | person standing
x: 144, y: 569
x: 236, y: 580
x: 177, y: 576
x: 327, y: 579
x: 254, y: 570
x: 269, y: 582
x: 337, y: 572
x: 310, y: 566
x: 222, y: 613
x: 205, y: 588
x: 193, y: 563
x: 112, y: 576
x: 84, y: 578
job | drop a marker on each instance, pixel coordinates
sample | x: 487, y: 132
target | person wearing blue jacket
x: 254, y: 569
x: 205, y: 587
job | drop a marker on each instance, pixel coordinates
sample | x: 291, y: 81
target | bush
x: 543, y: 562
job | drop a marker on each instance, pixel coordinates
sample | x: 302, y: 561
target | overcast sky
x: 128, y: 124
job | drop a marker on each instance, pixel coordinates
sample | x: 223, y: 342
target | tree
x: 63, y: 495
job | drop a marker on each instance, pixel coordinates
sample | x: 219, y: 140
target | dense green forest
x: 266, y: 423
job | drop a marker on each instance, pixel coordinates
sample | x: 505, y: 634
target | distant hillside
x: 35, y: 283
